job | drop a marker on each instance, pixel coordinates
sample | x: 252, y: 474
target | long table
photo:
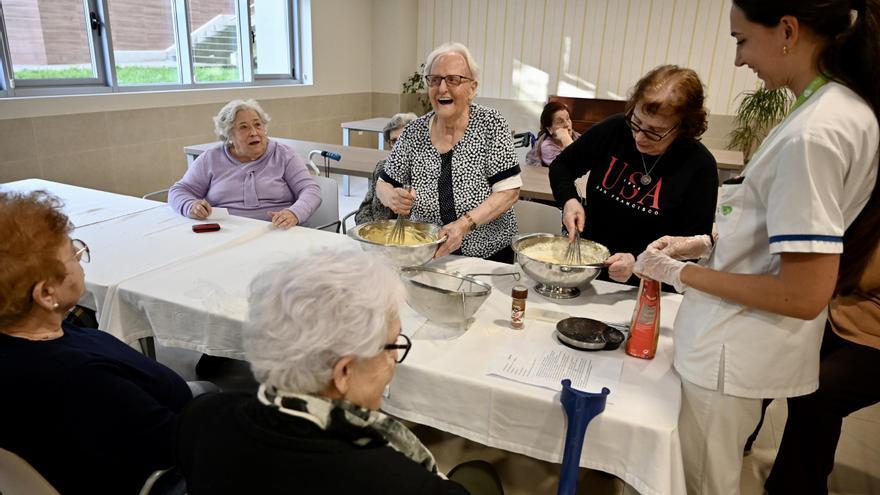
x: 151, y: 276
x: 361, y: 162
x: 442, y: 383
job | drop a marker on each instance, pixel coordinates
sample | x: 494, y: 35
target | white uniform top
x: 807, y: 183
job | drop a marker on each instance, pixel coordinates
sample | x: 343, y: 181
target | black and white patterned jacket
x: 483, y: 157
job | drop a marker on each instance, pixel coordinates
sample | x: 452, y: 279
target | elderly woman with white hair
x: 323, y: 344
x: 460, y: 162
x: 248, y: 173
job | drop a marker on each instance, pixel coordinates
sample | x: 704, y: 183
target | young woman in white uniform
x: 751, y: 322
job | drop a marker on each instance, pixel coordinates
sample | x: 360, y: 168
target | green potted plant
x: 415, y: 84
x: 759, y: 110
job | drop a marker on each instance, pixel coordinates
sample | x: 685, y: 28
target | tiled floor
x: 856, y: 471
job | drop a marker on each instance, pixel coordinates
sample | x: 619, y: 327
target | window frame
x: 298, y: 12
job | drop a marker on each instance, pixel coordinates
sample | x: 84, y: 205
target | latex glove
x: 200, y: 209
x: 684, y: 248
x: 284, y: 219
x: 657, y: 265
x: 454, y: 232
x: 573, y: 217
x: 620, y: 266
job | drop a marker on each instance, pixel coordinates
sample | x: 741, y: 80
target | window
x: 52, y: 42
x: 52, y: 47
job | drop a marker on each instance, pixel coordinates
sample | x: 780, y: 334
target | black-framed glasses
x: 402, y: 342
x: 652, y: 135
x: 81, y: 251
x: 452, y: 80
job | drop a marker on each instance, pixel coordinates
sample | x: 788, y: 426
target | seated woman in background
x: 650, y: 176
x: 87, y: 411
x: 323, y: 345
x: 371, y: 208
x: 460, y: 162
x: 555, y: 135
x: 250, y: 174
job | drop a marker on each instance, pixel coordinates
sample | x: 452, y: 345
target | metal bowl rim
x: 517, y: 239
x: 455, y: 274
x: 354, y: 234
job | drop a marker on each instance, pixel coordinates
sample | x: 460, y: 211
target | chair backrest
x: 19, y: 477
x: 588, y: 111
x: 532, y: 217
x: 328, y: 213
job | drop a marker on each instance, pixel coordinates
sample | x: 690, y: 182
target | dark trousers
x: 848, y: 381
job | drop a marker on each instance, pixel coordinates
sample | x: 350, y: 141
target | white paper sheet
x: 218, y: 213
x: 548, y: 366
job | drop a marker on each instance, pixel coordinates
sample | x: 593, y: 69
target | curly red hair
x: 670, y: 89
x: 33, y: 229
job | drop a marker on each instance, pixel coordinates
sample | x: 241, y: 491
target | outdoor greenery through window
x: 60, y: 46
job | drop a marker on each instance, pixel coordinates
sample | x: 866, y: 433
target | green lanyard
x: 811, y: 88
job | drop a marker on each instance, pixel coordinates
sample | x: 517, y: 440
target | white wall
x: 342, y: 54
x: 529, y: 49
x: 395, y: 31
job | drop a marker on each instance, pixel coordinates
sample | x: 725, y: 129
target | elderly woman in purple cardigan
x: 249, y: 174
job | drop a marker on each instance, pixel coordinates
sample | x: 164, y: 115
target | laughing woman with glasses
x: 460, y: 162
x: 75, y: 399
x: 324, y: 343
x: 649, y: 174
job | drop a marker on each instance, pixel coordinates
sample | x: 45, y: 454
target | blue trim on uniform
x: 806, y: 237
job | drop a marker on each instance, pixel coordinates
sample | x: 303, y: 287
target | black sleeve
x: 701, y: 195
x: 404, y: 476
x: 579, y: 158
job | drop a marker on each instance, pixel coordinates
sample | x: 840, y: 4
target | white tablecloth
x: 82, y: 205
x: 135, y: 244
x: 443, y: 384
x: 200, y: 303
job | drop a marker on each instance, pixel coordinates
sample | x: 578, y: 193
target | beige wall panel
x: 590, y: 48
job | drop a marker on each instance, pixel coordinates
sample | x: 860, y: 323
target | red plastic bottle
x: 645, y: 327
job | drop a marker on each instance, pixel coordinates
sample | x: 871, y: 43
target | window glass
x: 269, y: 33
x: 144, y: 46
x: 49, y: 40
x: 213, y: 26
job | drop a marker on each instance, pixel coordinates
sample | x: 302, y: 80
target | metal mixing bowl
x: 556, y: 280
x: 400, y: 255
x: 443, y: 296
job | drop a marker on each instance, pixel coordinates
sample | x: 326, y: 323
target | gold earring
x: 785, y: 49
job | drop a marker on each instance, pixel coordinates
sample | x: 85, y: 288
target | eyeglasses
x: 452, y: 80
x: 392, y: 141
x: 652, y: 135
x: 402, y: 342
x: 81, y: 251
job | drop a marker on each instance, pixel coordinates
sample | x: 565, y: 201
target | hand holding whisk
x: 573, y: 252
x: 397, y: 234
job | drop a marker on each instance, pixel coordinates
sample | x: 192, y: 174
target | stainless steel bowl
x: 556, y: 280
x: 399, y: 255
x: 443, y: 296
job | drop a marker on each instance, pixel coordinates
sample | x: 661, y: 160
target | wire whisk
x: 573, y: 253
x: 397, y: 234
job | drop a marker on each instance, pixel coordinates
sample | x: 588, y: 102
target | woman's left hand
x: 454, y: 233
x: 620, y: 266
x: 284, y: 219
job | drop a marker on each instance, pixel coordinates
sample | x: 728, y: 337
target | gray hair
x: 307, y: 313
x: 226, y: 117
x: 453, y: 47
x: 399, y: 121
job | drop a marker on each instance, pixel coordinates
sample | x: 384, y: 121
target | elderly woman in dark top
x: 323, y: 345
x: 371, y: 208
x: 87, y: 411
x: 460, y: 162
x: 250, y: 174
x: 649, y: 174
